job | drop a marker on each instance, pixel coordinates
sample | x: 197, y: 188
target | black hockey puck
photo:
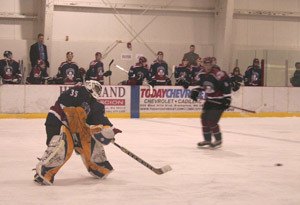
x: 278, y: 164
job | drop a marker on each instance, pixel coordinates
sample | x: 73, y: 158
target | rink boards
x: 34, y: 101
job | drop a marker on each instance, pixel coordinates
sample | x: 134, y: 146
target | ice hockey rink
x: 242, y: 171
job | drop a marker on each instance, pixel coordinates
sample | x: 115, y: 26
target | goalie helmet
x: 94, y: 87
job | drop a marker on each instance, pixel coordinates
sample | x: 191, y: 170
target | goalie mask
x: 94, y: 87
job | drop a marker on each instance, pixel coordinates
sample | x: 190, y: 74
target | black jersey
x: 195, y: 74
x: 159, y: 68
x: 73, y: 97
x: 137, y: 74
x: 95, y: 72
x: 97, y: 115
x: 182, y: 74
x: 37, y: 75
x: 68, y: 73
x: 10, y: 71
x: 159, y: 73
x: 253, y: 76
x: 216, y: 84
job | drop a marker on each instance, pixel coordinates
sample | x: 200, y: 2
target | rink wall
x: 34, y: 101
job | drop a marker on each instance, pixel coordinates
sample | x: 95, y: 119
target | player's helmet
x: 7, y: 54
x: 207, y: 60
x: 94, y: 87
x: 142, y: 59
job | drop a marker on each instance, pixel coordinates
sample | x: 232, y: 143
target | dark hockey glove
x: 235, y: 86
x: 194, y: 95
x: 226, y: 102
x: 107, y: 73
x: 185, y: 84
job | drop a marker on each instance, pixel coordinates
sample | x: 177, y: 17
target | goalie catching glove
x: 104, y: 134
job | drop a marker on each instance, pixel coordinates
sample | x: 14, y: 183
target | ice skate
x: 39, y: 178
x: 204, y: 144
x: 216, y: 144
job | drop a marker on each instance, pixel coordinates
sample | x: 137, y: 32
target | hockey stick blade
x: 158, y: 171
x: 163, y: 169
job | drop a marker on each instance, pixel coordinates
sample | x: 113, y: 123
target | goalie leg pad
x: 58, y: 152
x: 93, y: 156
x: 97, y: 152
x: 100, y: 170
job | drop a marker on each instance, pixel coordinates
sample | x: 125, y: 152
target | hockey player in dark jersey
x: 76, y: 121
x: 236, y: 79
x: 159, y: 71
x: 196, y: 71
x: 68, y: 71
x: 38, y: 74
x: 139, y: 72
x: 96, y: 70
x: 216, y: 86
x: 9, y: 69
x: 183, y: 74
x: 253, y: 74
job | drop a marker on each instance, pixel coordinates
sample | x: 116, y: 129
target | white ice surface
x: 241, y: 172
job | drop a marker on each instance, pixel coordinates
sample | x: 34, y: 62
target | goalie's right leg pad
x: 94, y: 158
x: 58, y: 152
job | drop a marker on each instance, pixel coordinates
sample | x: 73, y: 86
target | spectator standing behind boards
x: 295, y: 80
x: 68, y: 71
x: 38, y: 51
x: 191, y: 56
x: 38, y: 74
x: 253, y: 74
x: 9, y: 69
x: 183, y: 74
x: 159, y: 70
x: 236, y: 79
x: 96, y: 70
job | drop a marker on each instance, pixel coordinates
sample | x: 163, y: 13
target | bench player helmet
x: 142, y: 59
x: 94, y: 87
x: 7, y: 54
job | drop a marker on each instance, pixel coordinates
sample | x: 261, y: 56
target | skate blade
x: 204, y: 147
x: 209, y: 147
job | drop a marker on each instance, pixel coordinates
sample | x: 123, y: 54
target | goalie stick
x: 158, y: 171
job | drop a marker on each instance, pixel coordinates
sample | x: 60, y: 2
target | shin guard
x: 58, y: 152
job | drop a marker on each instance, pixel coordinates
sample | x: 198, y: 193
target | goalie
x: 77, y: 122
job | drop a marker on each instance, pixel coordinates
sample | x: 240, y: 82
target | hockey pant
x: 61, y: 147
x: 210, y: 119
